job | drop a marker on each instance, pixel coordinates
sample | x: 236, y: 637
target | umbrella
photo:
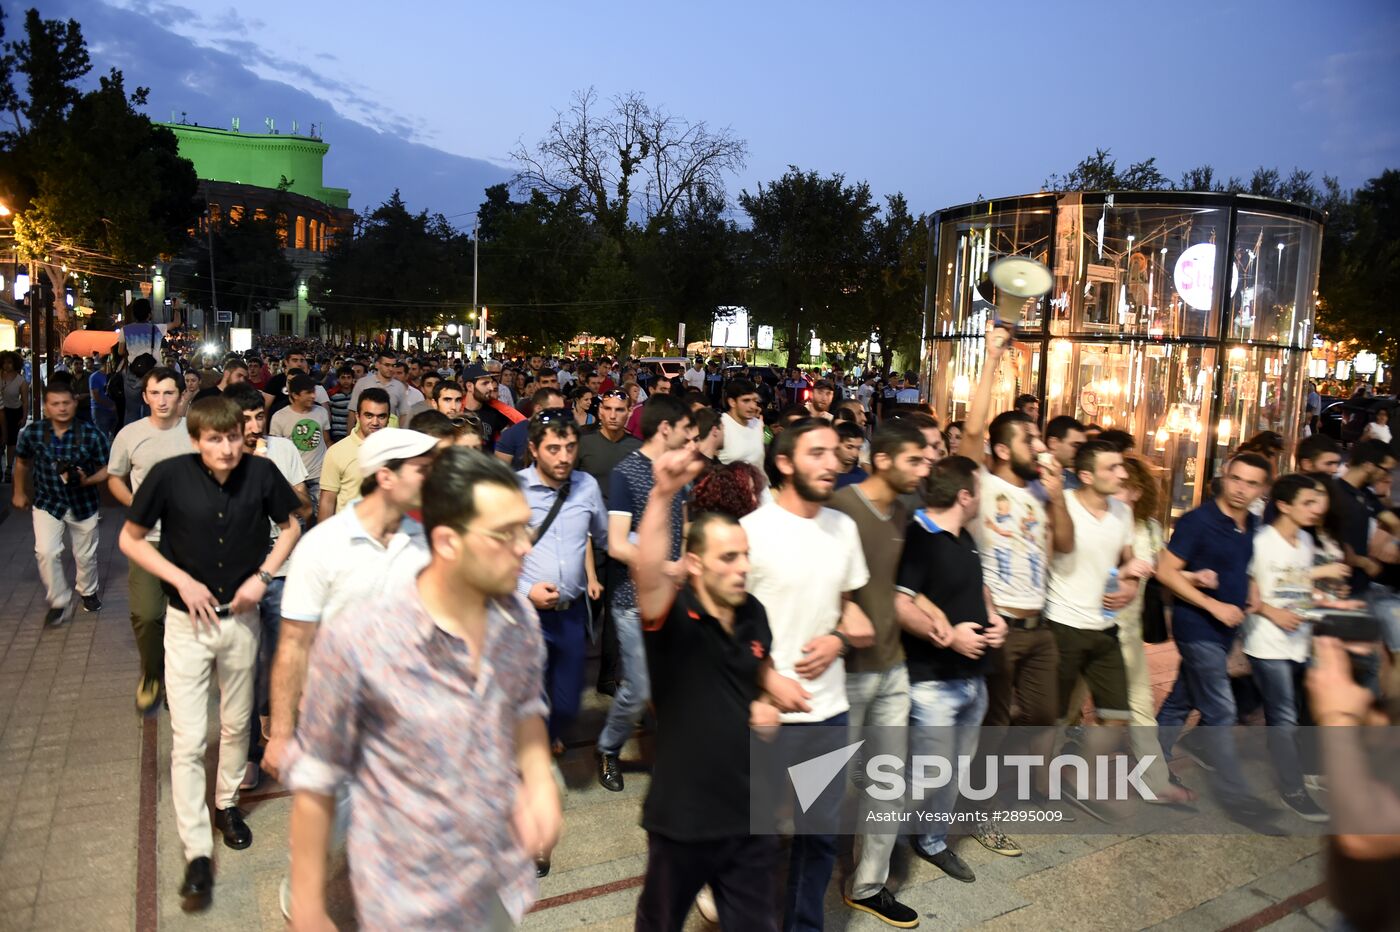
x: 86, y: 342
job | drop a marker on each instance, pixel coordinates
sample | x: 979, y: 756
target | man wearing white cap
x: 367, y: 549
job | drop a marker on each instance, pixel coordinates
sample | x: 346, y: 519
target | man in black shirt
x: 214, y: 508
x: 940, y: 584
x: 1357, y: 506
x: 708, y: 652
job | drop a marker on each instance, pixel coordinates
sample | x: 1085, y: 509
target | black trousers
x: 741, y: 870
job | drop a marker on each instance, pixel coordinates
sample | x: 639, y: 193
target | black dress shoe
x: 237, y: 834
x: 541, y: 867
x: 947, y: 861
x: 198, y: 888
x: 609, y: 772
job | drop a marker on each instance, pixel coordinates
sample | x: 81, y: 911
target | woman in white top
x: 1277, y: 637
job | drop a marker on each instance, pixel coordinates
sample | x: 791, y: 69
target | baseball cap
x: 392, y: 443
x: 474, y: 372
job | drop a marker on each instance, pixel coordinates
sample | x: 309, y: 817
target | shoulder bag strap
x: 559, y: 497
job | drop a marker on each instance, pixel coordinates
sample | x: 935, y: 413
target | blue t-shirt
x: 629, y: 488
x: 1208, y: 539
x: 515, y: 440
x: 97, y: 388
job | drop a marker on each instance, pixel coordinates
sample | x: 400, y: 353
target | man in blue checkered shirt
x: 60, y: 463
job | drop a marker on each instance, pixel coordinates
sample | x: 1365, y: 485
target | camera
x: 68, y: 471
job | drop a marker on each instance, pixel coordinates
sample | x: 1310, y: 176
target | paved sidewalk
x: 88, y: 842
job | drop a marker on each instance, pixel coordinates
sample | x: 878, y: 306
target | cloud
x: 373, y: 150
x: 1350, y: 93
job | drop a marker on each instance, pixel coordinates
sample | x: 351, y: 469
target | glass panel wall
x: 957, y: 367
x: 1159, y: 393
x: 1276, y: 259
x: 1136, y: 270
x: 1261, y: 389
x: 966, y: 249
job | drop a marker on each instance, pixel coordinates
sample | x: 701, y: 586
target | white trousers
x: 192, y: 652
x: 48, y: 549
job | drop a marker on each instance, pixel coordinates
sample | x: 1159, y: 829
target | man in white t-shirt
x: 1277, y: 637
x: 1092, y: 583
x: 695, y: 376
x: 814, y: 621
x: 743, y: 427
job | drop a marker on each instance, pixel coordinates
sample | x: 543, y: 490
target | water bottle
x: 1112, y: 587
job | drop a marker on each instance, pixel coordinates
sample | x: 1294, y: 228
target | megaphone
x: 1017, y: 279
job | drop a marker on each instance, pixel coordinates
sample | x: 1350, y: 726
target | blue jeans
x: 814, y: 856
x: 270, y: 614
x: 1203, y: 683
x: 634, y: 688
x: 565, y: 653
x: 946, y: 716
x: 1280, y: 682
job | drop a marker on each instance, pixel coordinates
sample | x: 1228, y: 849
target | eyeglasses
x: 519, y: 534
x: 466, y: 420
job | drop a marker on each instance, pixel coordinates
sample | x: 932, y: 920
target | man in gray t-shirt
x: 136, y: 449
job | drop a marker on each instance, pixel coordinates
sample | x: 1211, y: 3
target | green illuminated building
x: 240, y: 172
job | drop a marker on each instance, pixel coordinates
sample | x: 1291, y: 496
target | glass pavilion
x: 1184, y: 318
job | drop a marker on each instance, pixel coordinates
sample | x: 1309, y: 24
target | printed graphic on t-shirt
x: 306, y: 434
x: 1011, y: 530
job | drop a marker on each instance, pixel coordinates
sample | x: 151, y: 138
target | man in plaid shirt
x: 64, y: 460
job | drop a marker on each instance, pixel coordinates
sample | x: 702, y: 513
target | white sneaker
x: 705, y: 903
x: 1315, y: 782
x: 284, y: 897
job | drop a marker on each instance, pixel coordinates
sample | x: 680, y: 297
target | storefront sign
x: 1194, y: 276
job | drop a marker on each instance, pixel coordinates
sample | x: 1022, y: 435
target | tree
x: 1361, y: 271
x: 627, y: 169
x: 251, y: 273
x: 894, y: 291
x: 535, y: 256
x: 1099, y: 172
x: 808, y: 252
x: 399, y: 270
x: 691, y: 263
x: 93, y: 184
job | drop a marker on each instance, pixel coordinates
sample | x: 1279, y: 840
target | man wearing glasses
x: 449, y: 665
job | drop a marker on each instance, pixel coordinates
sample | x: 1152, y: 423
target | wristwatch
x: 265, y: 577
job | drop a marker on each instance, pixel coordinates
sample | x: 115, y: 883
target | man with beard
x: 667, y: 426
x: 289, y: 462
x: 1015, y: 533
x: 814, y: 619
x: 877, y: 681
x: 566, y: 513
x: 823, y: 393
x: 480, y: 399
x: 600, y: 449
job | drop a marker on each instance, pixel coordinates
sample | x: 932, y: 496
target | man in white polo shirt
x: 365, y: 550
x: 360, y: 552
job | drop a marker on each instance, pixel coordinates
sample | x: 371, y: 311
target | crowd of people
x: 391, y: 563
